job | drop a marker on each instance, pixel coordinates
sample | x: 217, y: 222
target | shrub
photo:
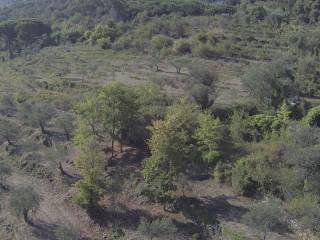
x: 182, y: 47
x: 205, y: 51
x: 307, y: 210
x: 179, y: 62
x: 222, y: 172
x: 264, y: 216
x: 160, y: 41
x: 123, y: 43
x: 161, y: 227
x: 313, y: 117
x: 104, y: 43
x: 23, y: 200
x: 240, y: 127
x: 241, y: 179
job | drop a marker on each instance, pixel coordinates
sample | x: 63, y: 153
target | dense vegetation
x: 123, y: 110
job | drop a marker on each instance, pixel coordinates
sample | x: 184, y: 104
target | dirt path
x: 54, y: 210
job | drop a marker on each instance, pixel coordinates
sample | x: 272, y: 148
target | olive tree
x: 22, y: 201
x: 264, y: 215
x: 37, y: 114
x: 161, y: 227
x: 9, y: 130
x: 5, y: 171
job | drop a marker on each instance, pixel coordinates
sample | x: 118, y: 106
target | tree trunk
x: 67, y: 134
x: 9, y: 46
x: 121, y: 146
x: 25, y: 217
x: 265, y: 235
x: 112, y: 148
x: 42, y: 127
x: 60, y: 167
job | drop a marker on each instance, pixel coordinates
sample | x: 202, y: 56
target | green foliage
x: 240, y: 127
x: 90, y: 162
x: 37, y: 114
x: 113, y: 114
x: 5, y: 171
x: 264, y: 215
x: 119, y: 111
x: 20, y: 33
x: 307, y: 210
x: 160, y: 42
x: 259, y: 171
x: 308, y: 75
x: 302, y: 154
x: 241, y: 178
x: 161, y: 227
x: 202, y: 84
x: 89, y: 194
x: 313, y: 117
x: 22, y: 200
x: 104, y: 43
x: 160, y: 7
x: 104, y: 35
x: 208, y: 136
x: 182, y: 47
x: 223, y: 172
x: 9, y: 130
x: 169, y: 147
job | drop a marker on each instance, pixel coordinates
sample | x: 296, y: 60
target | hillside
x: 158, y: 119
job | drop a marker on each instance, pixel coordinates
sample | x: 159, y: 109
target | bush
x: 161, y: 227
x: 123, y: 43
x: 264, y: 216
x: 307, y: 210
x: 160, y: 42
x: 241, y: 178
x: 240, y: 127
x: 23, y: 200
x: 104, y: 43
x: 205, y: 51
x: 222, y: 172
x: 182, y: 47
x: 313, y: 117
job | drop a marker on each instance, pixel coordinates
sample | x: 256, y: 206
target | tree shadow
x: 43, y: 230
x: 207, y: 210
x: 46, y: 231
x: 126, y: 218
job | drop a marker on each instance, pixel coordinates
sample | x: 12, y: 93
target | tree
x: 9, y: 130
x: 5, y: 171
x: 270, y: 84
x: 303, y: 154
x: 88, y: 120
x: 65, y: 122
x: 37, y: 114
x: 207, y: 134
x: 25, y: 31
x: 179, y: 62
x: 170, y: 147
x: 306, y: 210
x: 22, y: 201
x: 161, y: 227
x: 203, y: 81
x: 119, y: 112
x: 160, y: 42
x: 264, y: 215
x: 90, y: 163
x: 9, y: 34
